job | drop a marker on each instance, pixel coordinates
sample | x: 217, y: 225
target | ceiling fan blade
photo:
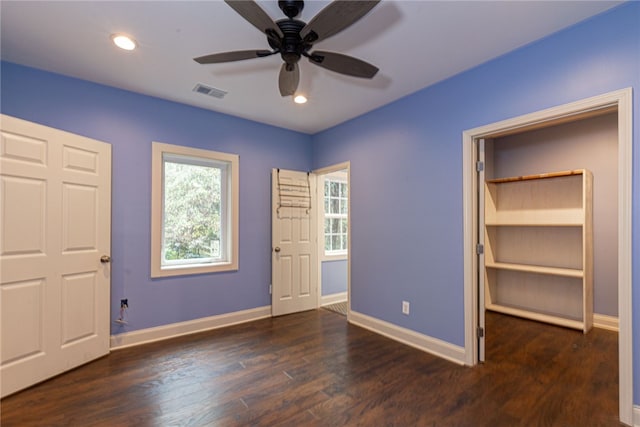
x: 289, y: 79
x: 237, y: 55
x: 256, y: 16
x: 337, y: 16
x: 343, y: 64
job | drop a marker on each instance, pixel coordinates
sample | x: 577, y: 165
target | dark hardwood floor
x: 313, y: 368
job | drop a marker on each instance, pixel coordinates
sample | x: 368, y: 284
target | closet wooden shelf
x: 539, y: 316
x: 556, y: 271
x: 536, y: 176
x: 533, y: 218
x: 532, y: 225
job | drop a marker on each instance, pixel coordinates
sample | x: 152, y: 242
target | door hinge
x: 480, y: 332
x: 479, y: 166
x: 479, y: 249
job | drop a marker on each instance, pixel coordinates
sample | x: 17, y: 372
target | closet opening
x: 553, y: 286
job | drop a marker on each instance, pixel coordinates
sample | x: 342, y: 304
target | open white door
x: 55, y: 242
x: 480, y: 251
x: 294, y: 248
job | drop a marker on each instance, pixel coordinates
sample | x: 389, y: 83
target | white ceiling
x: 414, y: 43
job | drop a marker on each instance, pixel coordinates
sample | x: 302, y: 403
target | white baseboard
x: 420, y: 341
x: 604, y: 321
x: 173, y: 330
x: 333, y: 298
x: 636, y: 416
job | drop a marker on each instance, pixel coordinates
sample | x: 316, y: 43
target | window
x: 336, y: 215
x: 194, y: 221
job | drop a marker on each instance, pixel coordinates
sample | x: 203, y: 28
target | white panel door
x: 294, y: 261
x: 55, y: 241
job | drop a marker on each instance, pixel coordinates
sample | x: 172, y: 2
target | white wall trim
x: 604, y: 321
x: 333, y: 298
x: 622, y: 100
x: 636, y: 416
x: 428, y: 344
x: 145, y: 336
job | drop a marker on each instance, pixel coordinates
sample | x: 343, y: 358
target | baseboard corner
x: 604, y: 321
x: 333, y: 298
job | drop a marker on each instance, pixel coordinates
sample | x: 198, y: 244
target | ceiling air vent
x: 210, y: 91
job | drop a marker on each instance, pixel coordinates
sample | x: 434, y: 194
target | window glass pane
x: 327, y: 225
x: 327, y: 242
x: 335, y: 206
x: 343, y: 190
x: 343, y: 228
x: 343, y: 206
x: 335, y: 242
x: 326, y: 205
x: 344, y: 242
x: 335, y: 189
x: 335, y: 225
x: 326, y: 187
x: 192, y: 220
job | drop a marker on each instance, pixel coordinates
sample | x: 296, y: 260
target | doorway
x: 620, y: 102
x: 334, y: 243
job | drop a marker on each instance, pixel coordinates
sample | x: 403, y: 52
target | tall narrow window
x: 335, y: 216
x: 194, y: 221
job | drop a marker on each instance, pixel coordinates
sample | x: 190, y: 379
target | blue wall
x: 409, y: 151
x: 409, y: 154
x: 130, y: 122
x: 334, y: 277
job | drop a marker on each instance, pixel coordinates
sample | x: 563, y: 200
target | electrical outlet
x: 405, y: 307
x: 124, y: 303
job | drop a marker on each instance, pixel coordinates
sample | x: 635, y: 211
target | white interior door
x: 294, y: 248
x: 55, y: 241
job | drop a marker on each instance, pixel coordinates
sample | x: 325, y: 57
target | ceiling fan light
x: 300, y: 99
x: 123, y: 42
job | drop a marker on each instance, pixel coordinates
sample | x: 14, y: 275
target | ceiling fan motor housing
x: 292, y: 45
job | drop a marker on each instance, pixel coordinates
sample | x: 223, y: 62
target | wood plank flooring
x: 313, y: 369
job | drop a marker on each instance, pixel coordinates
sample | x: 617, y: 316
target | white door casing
x: 481, y: 266
x: 321, y: 174
x: 294, y: 260
x: 55, y: 226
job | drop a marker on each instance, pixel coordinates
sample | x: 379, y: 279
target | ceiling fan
x: 293, y: 39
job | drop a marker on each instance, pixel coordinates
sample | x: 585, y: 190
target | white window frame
x: 339, y: 176
x: 229, y: 219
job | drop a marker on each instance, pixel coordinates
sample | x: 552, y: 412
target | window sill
x: 185, y: 270
x: 335, y: 257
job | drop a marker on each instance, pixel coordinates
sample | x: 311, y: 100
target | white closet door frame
x: 481, y: 266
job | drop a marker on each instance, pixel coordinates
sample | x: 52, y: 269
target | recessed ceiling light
x: 300, y: 99
x: 123, y: 42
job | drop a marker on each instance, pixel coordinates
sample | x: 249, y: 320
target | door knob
x: 105, y: 259
x: 277, y: 249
